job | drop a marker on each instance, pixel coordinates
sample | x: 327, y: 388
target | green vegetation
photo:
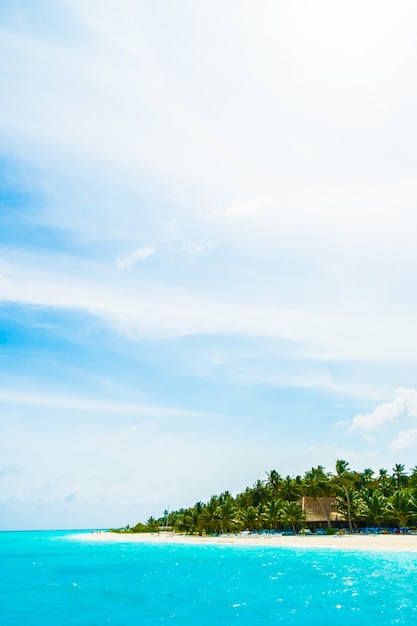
x: 360, y: 499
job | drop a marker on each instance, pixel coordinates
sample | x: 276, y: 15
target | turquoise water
x: 47, y: 578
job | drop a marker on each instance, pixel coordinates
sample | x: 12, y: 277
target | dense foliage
x: 362, y: 498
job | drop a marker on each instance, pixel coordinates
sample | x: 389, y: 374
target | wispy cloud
x: 168, y: 308
x: 250, y: 209
x: 197, y: 248
x: 95, y: 406
x: 127, y: 261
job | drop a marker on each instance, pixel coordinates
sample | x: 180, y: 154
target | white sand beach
x: 349, y: 542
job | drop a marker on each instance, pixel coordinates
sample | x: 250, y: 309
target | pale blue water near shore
x: 48, y: 579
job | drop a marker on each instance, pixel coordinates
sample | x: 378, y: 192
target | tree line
x: 361, y: 498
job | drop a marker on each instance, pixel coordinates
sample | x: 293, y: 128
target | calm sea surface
x: 48, y: 579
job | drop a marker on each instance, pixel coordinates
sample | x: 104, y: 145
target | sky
x: 208, y: 249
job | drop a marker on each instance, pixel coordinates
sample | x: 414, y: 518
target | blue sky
x: 207, y: 249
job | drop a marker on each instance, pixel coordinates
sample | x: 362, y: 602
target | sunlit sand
x: 350, y: 542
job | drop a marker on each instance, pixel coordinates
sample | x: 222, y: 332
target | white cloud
x: 127, y: 261
x: 402, y: 409
x: 405, y: 439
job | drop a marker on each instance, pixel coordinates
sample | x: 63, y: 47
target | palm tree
x: 412, y: 481
x: 225, y: 496
x: 343, y: 471
x: 184, y: 522
x: 245, y: 498
x: 290, y: 489
x: 317, y: 485
x: 261, y: 517
x: 384, y: 484
x: 274, y: 481
x: 274, y: 513
x: 374, y: 507
x: 399, y: 476
x: 227, y: 518
x: 292, y: 515
x: 208, y: 515
x: 366, y: 477
x: 348, y: 503
x: 152, y: 525
x: 248, y: 517
x: 403, y: 507
x: 198, y: 518
x: 259, y: 493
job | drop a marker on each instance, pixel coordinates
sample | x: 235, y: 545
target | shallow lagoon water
x: 51, y: 578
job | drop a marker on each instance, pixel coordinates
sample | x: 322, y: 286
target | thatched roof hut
x: 320, y: 510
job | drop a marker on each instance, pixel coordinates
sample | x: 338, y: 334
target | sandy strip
x: 398, y: 543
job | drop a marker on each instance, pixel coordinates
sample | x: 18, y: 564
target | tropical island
x: 318, y: 502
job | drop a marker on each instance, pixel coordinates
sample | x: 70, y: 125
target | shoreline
x: 393, y: 543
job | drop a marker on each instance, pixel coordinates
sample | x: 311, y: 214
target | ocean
x: 50, y: 578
